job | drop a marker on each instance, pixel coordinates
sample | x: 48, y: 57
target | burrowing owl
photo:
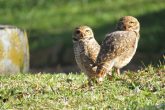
x: 118, y: 47
x: 86, y: 49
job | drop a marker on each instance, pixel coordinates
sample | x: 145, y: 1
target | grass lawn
x: 143, y: 90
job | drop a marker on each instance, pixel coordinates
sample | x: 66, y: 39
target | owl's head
x: 128, y: 23
x: 82, y: 33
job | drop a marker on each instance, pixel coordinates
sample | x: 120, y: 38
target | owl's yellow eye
x: 87, y: 31
x: 131, y: 22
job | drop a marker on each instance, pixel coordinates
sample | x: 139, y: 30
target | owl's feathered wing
x: 115, y: 44
x: 85, y: 54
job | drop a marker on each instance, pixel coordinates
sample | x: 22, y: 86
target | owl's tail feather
x: 103, y: 69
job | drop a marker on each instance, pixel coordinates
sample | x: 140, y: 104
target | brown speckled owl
x: 118, y: 47
x: 86, y: 49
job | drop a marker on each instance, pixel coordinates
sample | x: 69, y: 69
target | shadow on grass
x: 55, y: 49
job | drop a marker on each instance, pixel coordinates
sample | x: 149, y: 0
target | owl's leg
x: 89, y: 83
x: 92, y: 78
x: 118, y: 71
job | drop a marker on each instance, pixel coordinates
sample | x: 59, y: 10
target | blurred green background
x: 50, y: 23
